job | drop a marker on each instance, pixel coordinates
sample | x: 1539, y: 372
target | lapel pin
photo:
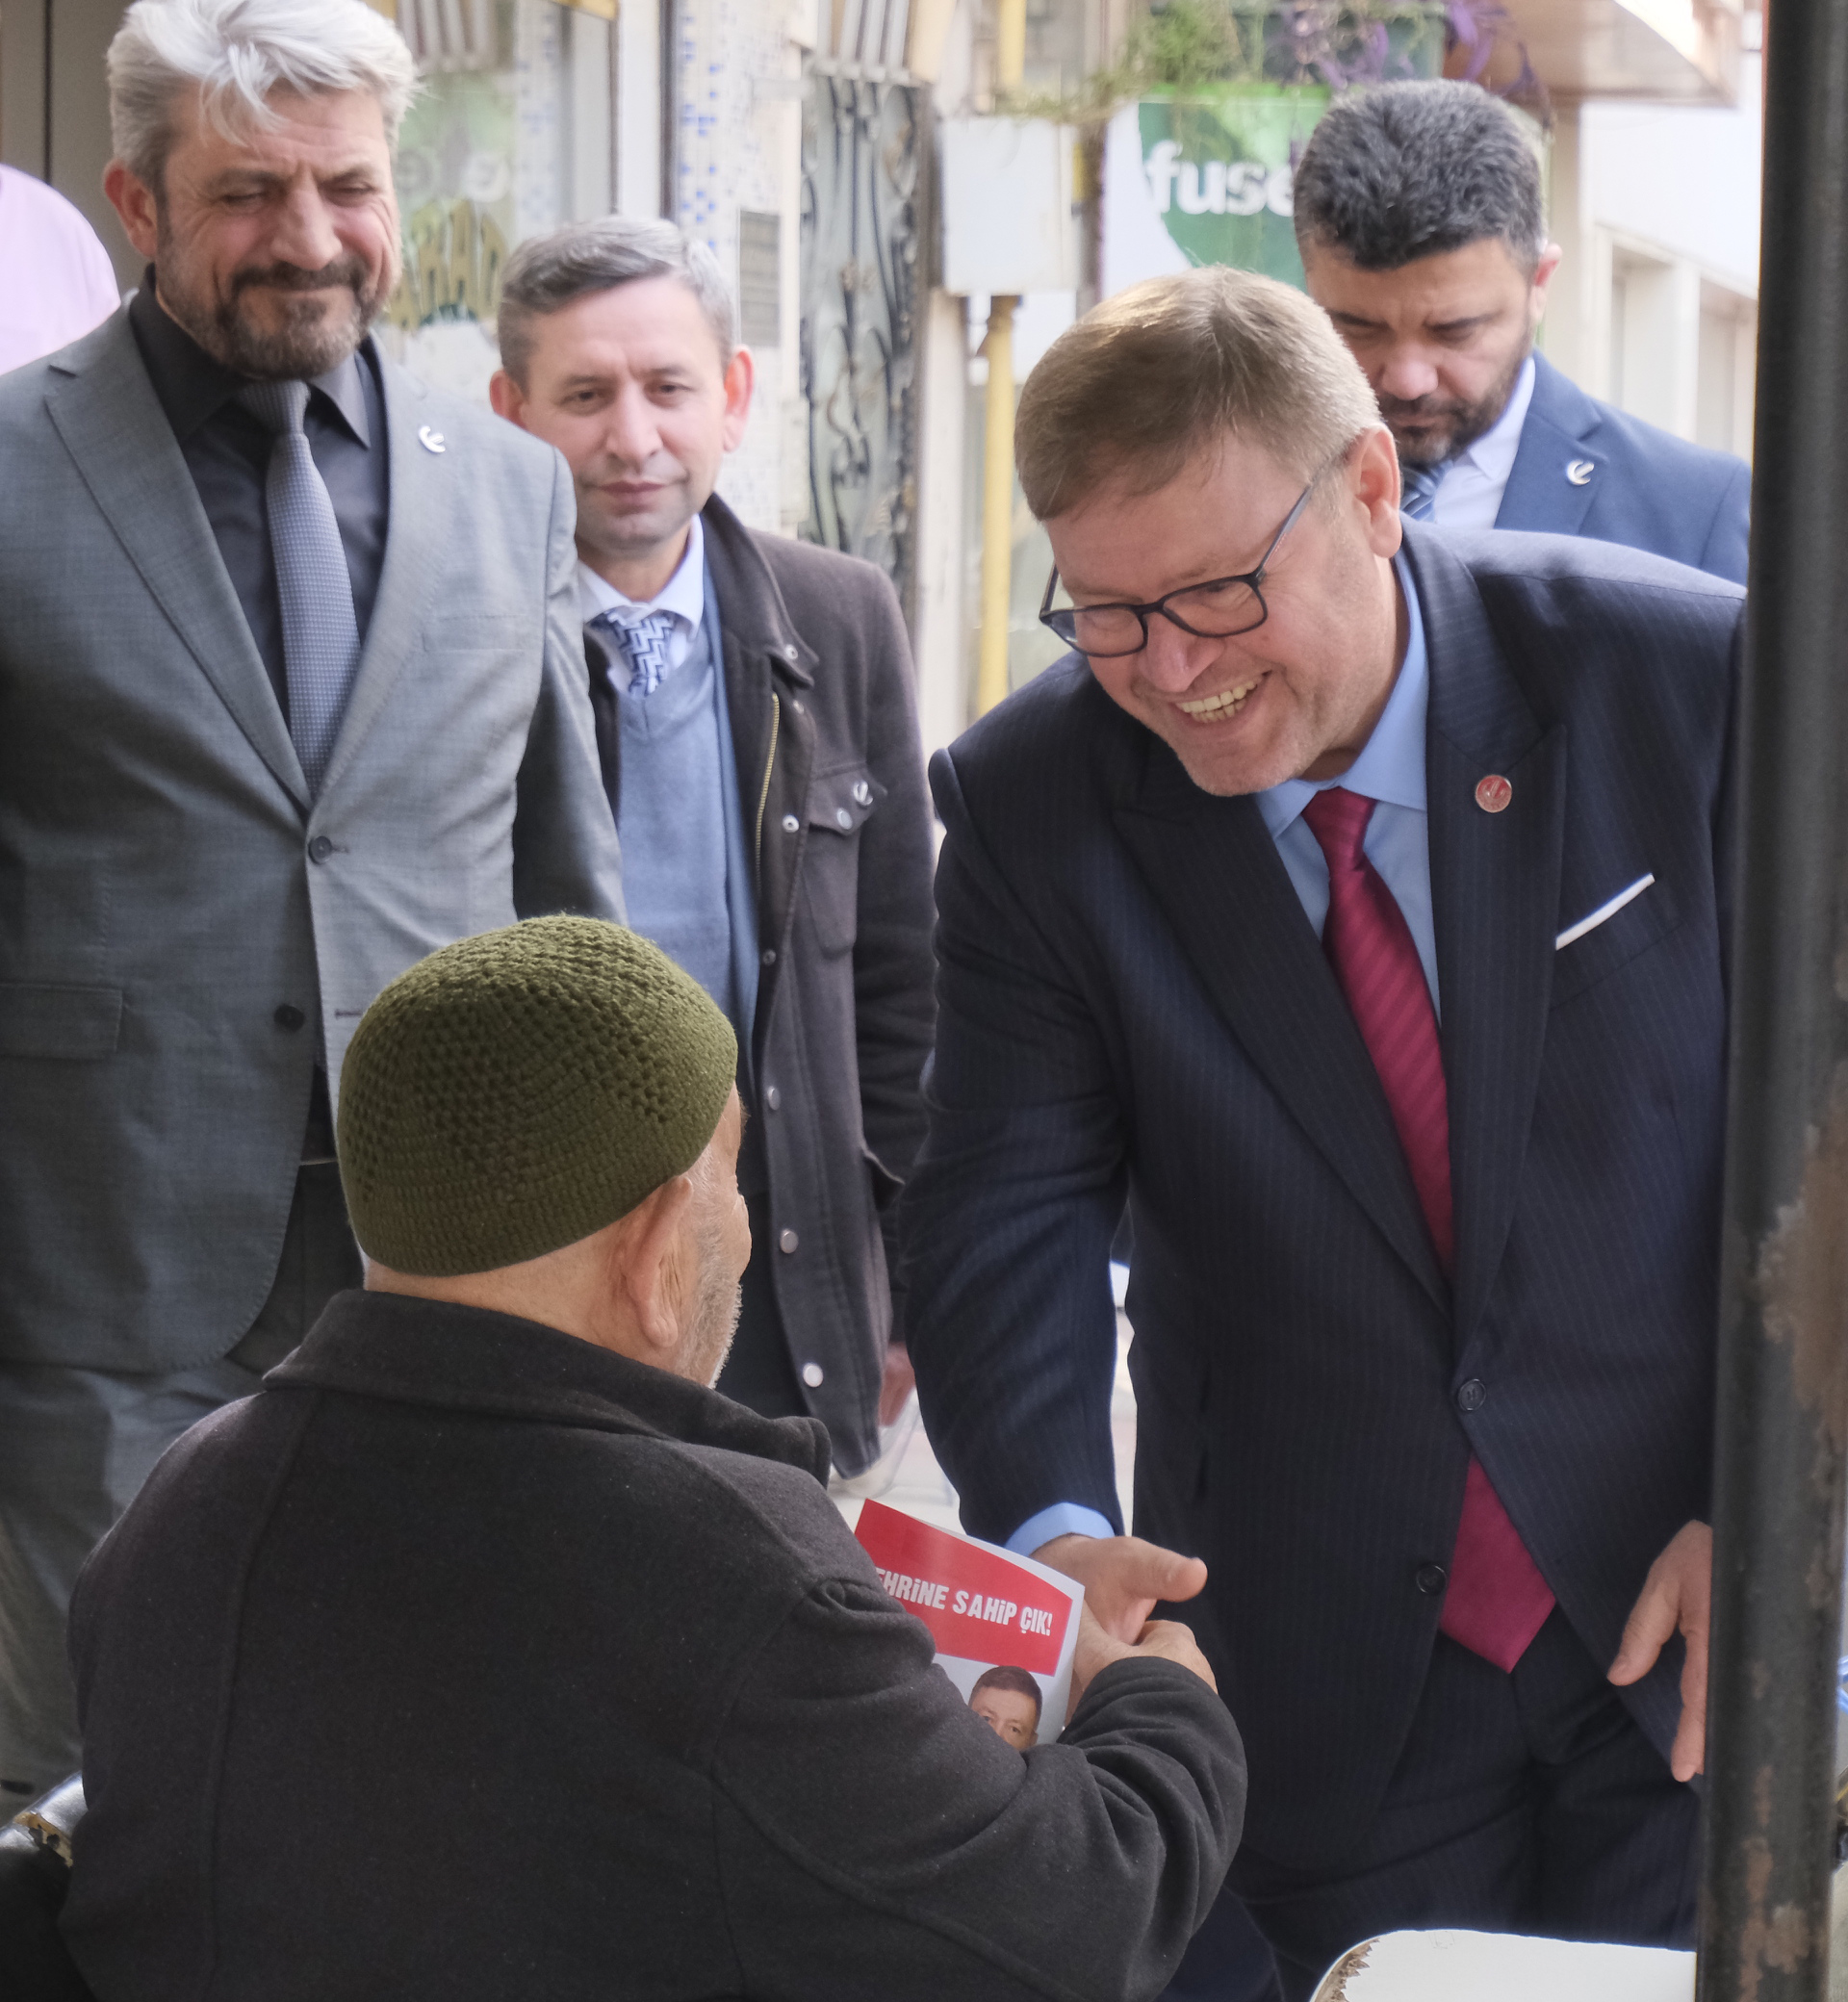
x: 1492, y: 793
x: 430, y: 439
x: 1579, y: 471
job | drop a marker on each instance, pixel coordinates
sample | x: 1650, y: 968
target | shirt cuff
x: 1061, y: 1519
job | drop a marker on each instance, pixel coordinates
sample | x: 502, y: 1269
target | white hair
x: 235, y: 53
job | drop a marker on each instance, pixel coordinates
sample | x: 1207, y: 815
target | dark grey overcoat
x: 837, y: 818
x: 468, y: 1661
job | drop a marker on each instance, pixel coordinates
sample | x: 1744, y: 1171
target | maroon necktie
x: 1497, y: 1600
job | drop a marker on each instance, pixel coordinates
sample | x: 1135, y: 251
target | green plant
x: 1183, y: 49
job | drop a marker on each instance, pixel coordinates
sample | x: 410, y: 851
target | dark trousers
x: 75, y: 1446
x: 757, y: 1372
x: 1227, y: 1960
x: 1523, y: 1803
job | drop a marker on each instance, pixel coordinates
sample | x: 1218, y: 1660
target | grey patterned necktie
x: 1418, y: 497
x: 644, y: 645
x: 320, y: 633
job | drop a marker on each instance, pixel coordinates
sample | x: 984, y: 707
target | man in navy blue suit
x: 1423, y: 235
x: 1353, y: 900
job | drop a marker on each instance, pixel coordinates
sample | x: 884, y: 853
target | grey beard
x: 292, y: 353
x: 717, y: 1305
x: 307, y: 343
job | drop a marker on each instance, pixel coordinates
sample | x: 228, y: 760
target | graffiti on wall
x: 455, y: 192
x: 453, y: 253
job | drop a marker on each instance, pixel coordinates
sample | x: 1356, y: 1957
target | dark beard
x: 307, y: 343
x: 1469, y: 422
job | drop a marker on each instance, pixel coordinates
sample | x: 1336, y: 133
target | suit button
x: 1429, y: 1579
x: 290, y: 1017
x: 843, y: 819
x: 791, y: 825
x: 320, y: 849
x: 769, y: 955
x: 1472, y: 1395
x: 773, y: 1098
x: 812, y: 1374
x: 787, y: 1241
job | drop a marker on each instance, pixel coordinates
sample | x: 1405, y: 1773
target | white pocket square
x: 1602, y: 911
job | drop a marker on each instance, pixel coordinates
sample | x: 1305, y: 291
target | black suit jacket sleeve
x: 1025, y: 1123
x: 875, y: 1840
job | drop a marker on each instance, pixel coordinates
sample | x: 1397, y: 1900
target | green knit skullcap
x: 517, y: 1091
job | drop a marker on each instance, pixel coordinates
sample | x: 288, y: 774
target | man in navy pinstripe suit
x: 1354, y: 899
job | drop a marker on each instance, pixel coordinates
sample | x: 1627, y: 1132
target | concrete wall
x: 1654, y: 308
x: 737, y: 145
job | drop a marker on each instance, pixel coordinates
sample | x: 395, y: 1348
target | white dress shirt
x: 682, y: 596
x: 1469, y: 495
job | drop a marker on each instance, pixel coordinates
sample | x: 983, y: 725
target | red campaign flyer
x: 1004, y: 1626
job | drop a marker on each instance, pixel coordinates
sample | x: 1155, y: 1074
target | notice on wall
x: 1004, y: 1627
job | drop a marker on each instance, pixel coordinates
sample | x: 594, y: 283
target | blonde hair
x: 235, y: 53
x: 1167, y: 368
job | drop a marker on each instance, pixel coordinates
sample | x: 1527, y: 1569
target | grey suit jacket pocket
x: 55, y: 1021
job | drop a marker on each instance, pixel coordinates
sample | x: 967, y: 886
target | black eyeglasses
x: 1217, y: 610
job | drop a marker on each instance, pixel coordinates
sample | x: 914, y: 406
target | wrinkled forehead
x: 1451, y: 288
x: 1132, y: 539
x: 636, y: 329
x: 327, y: 133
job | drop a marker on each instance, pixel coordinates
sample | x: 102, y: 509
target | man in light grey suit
x: 291, y: 693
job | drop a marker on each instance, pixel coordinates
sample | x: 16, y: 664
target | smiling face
x: 1297, y: 697
x: 1442, y: 338
x: 631, y: 388
x: 274, y: 249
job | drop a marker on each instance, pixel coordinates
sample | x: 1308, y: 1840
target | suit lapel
x: 1215, y: 871
x: 421, y: 490
x: 1540, y: 495
x: 1495, y: 893
x: 111, y: 424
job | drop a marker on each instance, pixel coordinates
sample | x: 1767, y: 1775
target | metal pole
x: 1783, y: 1319
x: 997, y: 456
x: 997, y: 508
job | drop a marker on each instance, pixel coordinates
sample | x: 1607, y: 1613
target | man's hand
x: 1676, y: 1593
x: 1123, y: 1577
x: 896, y: 1384
x: 1096, y: 1649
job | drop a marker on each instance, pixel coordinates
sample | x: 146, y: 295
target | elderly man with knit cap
x: 487, y: 1652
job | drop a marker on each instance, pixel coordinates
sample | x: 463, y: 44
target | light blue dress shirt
x: 1390, y: 769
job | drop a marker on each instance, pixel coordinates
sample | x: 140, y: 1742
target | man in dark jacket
x: 487, y: 1653
x: 1424, y: 237
x: 1357, y: 900
x: 757, y: 729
